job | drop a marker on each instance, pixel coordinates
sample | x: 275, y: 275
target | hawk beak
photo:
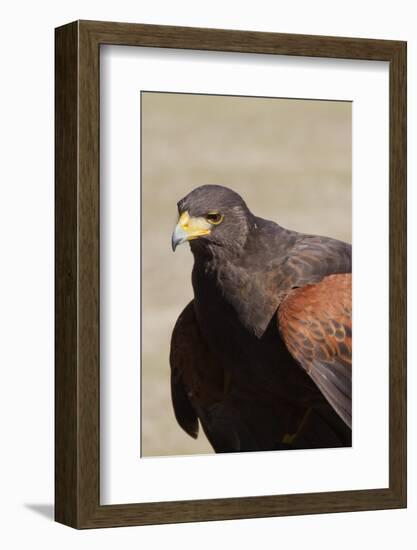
x: 188, y: 229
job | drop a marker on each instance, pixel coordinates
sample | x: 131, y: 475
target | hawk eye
x: 214, y: 217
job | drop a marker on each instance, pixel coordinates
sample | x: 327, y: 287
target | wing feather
x: 197, y: 381
x: 315, y: 323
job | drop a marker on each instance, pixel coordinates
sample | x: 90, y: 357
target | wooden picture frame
x: 77, y: 373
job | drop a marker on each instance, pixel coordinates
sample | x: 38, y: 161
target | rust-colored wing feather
x: 315, y: 323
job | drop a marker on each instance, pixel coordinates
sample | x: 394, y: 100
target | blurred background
x: 291, y: 162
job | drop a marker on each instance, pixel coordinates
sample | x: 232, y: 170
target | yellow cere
x: 194, y: 227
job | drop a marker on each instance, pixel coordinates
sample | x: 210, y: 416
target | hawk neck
x: 244, y: 279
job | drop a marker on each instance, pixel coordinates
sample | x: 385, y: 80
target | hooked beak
x: 188, y: 229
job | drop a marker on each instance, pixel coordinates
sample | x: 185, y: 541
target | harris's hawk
x: 261, y: 356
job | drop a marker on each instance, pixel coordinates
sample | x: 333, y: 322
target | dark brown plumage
x: 262, y: 356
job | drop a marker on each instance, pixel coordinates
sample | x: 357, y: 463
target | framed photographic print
x: 230, y: 274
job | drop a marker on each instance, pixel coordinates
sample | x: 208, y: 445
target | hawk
x: 261, y: 357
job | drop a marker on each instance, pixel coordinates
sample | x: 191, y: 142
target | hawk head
x: 215, y: 216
